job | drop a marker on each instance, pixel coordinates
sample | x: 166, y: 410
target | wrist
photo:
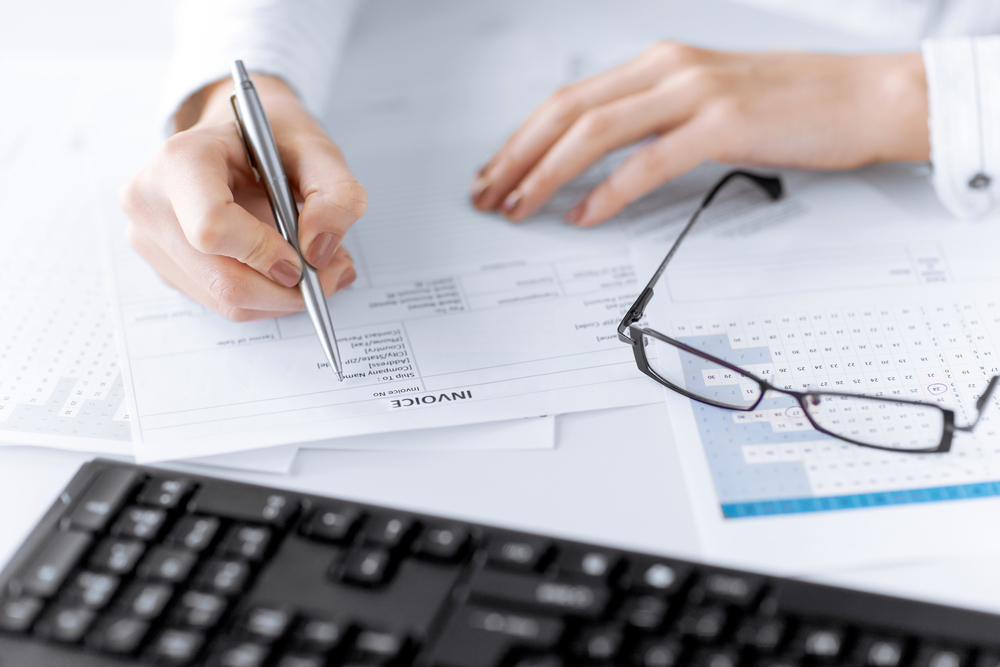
x: 211, y: 105
x: 899, y: 109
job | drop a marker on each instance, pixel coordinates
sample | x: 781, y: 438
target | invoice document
x: 61, y: 384
x: 456, y: 317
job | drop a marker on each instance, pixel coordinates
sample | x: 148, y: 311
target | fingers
x: 597, y: 132
x: 177, y: 278
x: 339, y: 273
x: 333, y: 198
x: 197, y: 181
x: 560, y: 111
x: 224, y: 284
x: 667, y: 157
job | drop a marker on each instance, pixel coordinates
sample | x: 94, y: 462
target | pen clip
x: 241, y: 130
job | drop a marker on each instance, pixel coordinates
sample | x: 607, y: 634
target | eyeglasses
x: 889, y: 424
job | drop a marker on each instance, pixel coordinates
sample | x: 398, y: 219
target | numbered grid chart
x: 772, y: 461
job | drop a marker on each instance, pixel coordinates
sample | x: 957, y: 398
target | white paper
x: 275, y: 460
x: 853, y: 296
x: 60, y: 382
x: 515, y: 434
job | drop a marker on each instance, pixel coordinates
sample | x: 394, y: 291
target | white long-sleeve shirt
x: 301, y: 42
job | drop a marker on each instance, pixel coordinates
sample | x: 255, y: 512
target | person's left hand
x: 764, y: 109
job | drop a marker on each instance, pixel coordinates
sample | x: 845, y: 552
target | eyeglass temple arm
x: 981, y: 403
x: 769, y: 184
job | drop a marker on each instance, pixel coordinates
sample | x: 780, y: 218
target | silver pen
x: 266, y: 164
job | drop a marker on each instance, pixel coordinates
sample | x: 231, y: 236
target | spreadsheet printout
x: 60, y: 381
x: 894, y: 308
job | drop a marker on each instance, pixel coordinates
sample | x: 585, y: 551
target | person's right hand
x: 200, y: 219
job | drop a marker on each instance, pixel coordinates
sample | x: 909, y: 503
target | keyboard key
x: 167, y: 564
x: 443, y: 543
x: 248, y: 542
x: 92, y: 590
x: 367, y: 566
x: 645, y: 612
x: 704, y: 624
x: 936, y: 656
x: 17, y: 614
x: 244, y: 503
x: 201, y: 611
x: 65, y: 624
x: 660, y: 652
x: 480, y: 637
x: 165, y: 493
x: 102, y: 500
x: 378, y: 648
x: 728, y: 588
x: 118, y: 635
x: 47, y: 571
x: 879, y: 652
x: 528, y: 590
x: 599, y: 643
x: 387, y: 530
x: 318, y: 635
x: 586, y: 562
x: 177, y: 647
x: 268, y: 624
x: 147, y: 601
x: 518, y: 551
x: 657, y: 575
x: 714, y: 658
x: 117, y: 556
x: 822, y: 643
x: 764, y: 635
x: 223, y: 576
x: 540, y: 661
x: 332, y: 524
x: 139, y: 522
x: 244, y: 654
x: 302, y: 660
x: 194, y: 533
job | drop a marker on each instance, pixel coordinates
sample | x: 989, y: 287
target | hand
x: 764, y: 109
x: 200, y: 219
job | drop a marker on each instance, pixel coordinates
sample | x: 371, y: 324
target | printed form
x: 857, y: 296
x: 456, y: 317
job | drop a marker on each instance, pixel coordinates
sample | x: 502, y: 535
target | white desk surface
x: 613, y: 478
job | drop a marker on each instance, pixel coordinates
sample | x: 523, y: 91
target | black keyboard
x: 136, y: 565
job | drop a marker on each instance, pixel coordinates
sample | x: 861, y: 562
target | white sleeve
x: 297, y: 40
x: 963, y: 89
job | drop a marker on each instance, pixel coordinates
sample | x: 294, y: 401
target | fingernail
x: 573, y: 215
x: 510, y: 203
x: 285, y: 273
x: 486, y: 167
x: 322, y: 248
x: 477, y: 187
x: 346, y: 278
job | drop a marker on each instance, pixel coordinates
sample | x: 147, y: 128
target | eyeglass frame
x: 772, y: 186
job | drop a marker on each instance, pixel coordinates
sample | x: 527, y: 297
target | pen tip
x: 340, y: 376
